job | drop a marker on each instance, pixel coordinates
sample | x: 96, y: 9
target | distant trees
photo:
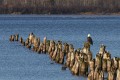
x: 58, y: 6
x: 1, y: 1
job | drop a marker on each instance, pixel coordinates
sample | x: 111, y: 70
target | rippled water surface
x: 19, y: 63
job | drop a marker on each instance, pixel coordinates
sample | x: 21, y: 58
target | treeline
x: 58, y: 6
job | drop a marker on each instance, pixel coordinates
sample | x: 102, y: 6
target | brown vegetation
x: 58, y: 6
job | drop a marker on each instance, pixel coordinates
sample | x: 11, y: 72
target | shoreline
x: 81, y: 13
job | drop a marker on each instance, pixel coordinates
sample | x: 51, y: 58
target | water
x: 19, y: 63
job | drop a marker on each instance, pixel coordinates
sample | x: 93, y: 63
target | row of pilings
x: 79, y: 61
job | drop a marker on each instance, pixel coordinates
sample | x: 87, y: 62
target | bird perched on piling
x: 89, y: 39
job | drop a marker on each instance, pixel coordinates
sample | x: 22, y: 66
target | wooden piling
x: 104, y: 65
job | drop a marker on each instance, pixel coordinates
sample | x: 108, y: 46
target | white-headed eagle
x: 89, y: 39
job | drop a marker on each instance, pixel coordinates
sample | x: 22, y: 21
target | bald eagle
x: 89, y: 39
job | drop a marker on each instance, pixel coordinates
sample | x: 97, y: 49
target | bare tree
x: 59, y: 6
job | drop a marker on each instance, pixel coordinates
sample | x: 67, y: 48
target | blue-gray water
x: 19, y: 63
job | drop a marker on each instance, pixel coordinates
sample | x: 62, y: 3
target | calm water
x: 19, y: 63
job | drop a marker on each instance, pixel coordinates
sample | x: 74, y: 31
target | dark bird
x: 89, y: 39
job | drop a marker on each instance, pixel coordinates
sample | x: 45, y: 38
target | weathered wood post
x: 55, y: 53
x: 91, y: 75
x: 72, y: 59
x: 98, y: 61
x: 68, y: 59
x: 101, y: 75
x: 27, y: 42
x: 109, y: 64
x: 66, y: 48
x: 75, y: 68
x: 12, y: 38
x: 61, y: 61
x: 102, y: 49
x: 21, y: 40
x: 44, y: 44
x: 111, y: 75
x: 118, y: 74
x: 89, y: 55
x: 92, y: 65
x: 96, y: 73
x: 47, y: 46
x: 84, y: 68
x: 16, y: 37
x: 104, y: 65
